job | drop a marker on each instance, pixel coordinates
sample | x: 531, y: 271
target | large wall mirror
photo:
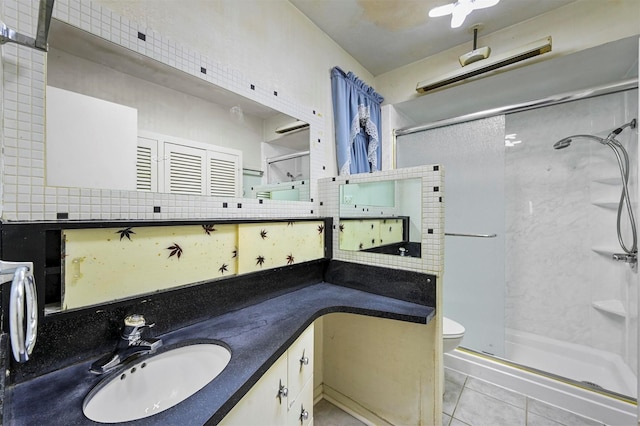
x: 148, y: 126
x: 382, y: 217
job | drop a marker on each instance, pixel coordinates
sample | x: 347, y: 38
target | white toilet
x: 452, y: 334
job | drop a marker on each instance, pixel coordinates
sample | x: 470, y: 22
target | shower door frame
x: 607, y: 89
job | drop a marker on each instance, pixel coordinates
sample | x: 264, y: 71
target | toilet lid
x: 451, y: 329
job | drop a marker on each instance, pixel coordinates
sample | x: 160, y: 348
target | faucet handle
x: 135, y: 320
x: 134, y: 325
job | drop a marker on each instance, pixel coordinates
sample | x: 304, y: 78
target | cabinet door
x: 301, y: 409
x: 185, y: 169
x: 300, y: 363
x: 261, y: 405
x: 147, y: 165
x: 224, y: 174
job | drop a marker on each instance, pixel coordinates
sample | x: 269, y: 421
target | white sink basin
x: 155, y: 384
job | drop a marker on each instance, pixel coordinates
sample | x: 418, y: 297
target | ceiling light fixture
x: 460, y: 9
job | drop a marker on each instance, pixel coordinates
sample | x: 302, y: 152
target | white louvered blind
x: 185, y: 171
x: 224, y: 171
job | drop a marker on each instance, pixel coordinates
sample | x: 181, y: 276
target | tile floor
x: 474, y: 402
x: 327, y: 414
x: 469, y: 401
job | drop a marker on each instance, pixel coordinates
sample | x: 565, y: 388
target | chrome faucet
x: 134, y: 341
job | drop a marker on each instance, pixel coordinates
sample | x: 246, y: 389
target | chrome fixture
x: 7, y: 35
x: 630, y: 253
x: 304, y: 360
x: 283, y: 392
x: 455, y: 234
x: 132, y: 344
x: 304, y: 414
x: 23, y: 301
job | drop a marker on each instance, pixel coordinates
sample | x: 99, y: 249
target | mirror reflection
x: 382, y: 217
x: 117, y: 119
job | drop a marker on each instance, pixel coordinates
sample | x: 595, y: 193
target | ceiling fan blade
x: 457, y: 20
x: 481, y: 4
x: 447, y: 9
x: 459, y: 14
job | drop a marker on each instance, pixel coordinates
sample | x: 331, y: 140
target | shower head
x: 609, y: 140
x: 562, y: 143
x: 623, y: 162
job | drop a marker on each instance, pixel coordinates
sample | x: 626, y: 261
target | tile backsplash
x: 105, y: 264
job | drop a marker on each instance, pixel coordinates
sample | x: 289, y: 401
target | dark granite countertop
x: 257, y: 335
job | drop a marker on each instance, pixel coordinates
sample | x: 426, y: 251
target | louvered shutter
x: 147, y: 165
x: 185, y: 170
x: 223, y: 174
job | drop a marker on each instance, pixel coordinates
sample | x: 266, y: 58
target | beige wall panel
x: 362, y: 234
x: 390, y: 231
x: 359, y: 234
x: 271, y: 245
x: 102, y: 265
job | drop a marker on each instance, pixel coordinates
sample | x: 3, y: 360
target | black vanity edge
x: 415, y: 287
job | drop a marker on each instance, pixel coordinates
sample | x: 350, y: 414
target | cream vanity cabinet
x: 284, y: 394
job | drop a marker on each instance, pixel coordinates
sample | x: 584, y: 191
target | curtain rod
x: 551, y: 100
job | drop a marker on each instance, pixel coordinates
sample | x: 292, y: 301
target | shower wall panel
x: 561, y: 226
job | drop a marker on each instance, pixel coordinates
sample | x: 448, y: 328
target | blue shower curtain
x: 356, y: 114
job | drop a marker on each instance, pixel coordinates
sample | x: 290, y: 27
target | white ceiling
x: 386, y: 34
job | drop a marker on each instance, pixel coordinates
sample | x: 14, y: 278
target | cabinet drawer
x: 300, y: 364
x: 261, y: 406
x: 302, y: 402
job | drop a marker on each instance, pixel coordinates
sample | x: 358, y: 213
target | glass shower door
x: 473, y: 158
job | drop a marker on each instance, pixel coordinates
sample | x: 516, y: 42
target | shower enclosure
x: 546, y: 292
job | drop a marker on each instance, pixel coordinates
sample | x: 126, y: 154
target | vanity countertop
x: 257, y: 335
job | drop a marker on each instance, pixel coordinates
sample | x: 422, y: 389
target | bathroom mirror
x: 382, y: 217
x: 176, y: 112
